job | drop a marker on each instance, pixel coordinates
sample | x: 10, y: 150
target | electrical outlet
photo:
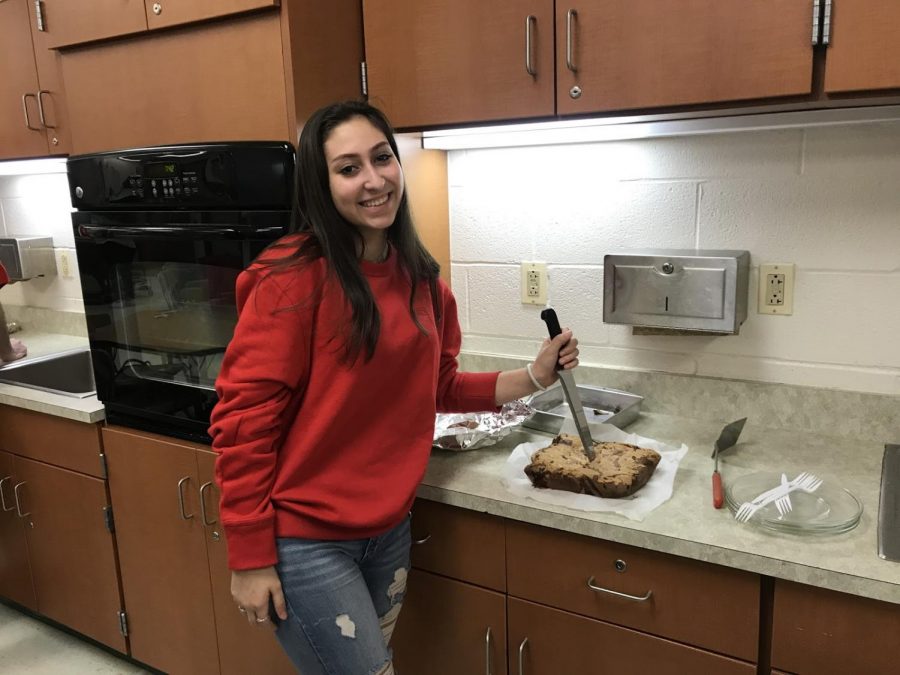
x: 776, y: 288
x: 534, y: 283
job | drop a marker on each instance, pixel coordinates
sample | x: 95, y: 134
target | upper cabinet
x: 863, y: 52
x: 449, y: 61
x: 255, y: 76
x: 630, y: 54
x: 32, y: 105
x: 72, y: 22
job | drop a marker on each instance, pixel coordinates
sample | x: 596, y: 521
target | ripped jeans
x: 343, y: 599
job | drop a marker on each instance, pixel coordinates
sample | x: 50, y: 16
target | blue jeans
x: 343, y: 599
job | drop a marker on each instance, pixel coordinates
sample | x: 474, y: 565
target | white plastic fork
x: 783, y: 503
x: 804, y: 481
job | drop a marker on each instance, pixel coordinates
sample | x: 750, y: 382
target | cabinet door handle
x: 18, y: 504
x: 530, y: 21
x: 2, y: 496
x: 487, y: 652
x: 571, y: 18
x: 203, y: 489
x: 40, y: 100
x: 636, y: 598
x: 184, y: 516
x: 522, y: 656
x: 25, y: 98
x: 419, y: 542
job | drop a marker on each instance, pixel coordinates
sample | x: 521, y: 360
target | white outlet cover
x: 786, y: 307
x: 539, y: 298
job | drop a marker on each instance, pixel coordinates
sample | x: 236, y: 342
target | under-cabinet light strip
x: 627, y: 128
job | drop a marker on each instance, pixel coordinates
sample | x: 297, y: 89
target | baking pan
x: 619, y: 408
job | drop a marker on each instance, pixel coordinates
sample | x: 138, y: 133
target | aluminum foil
x: 469, y: 431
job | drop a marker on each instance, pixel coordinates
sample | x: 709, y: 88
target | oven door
x: 159, y: 296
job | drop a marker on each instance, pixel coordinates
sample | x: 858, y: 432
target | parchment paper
x: 657, y: 490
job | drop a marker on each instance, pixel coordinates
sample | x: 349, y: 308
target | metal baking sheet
x: 601, y: 405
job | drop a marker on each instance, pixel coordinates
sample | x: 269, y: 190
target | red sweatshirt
x: 311, y: 447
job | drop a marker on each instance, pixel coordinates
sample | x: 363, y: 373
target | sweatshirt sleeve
x: 457, y: 391
x: 265, y: 363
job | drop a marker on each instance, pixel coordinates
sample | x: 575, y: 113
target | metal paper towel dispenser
x: 25, y: 256
x: 678, y: 289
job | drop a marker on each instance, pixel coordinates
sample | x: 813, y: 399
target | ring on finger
x: 242, y: 610
x: 262, y: 619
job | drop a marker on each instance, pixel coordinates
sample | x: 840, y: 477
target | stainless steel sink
x: 67, y: 373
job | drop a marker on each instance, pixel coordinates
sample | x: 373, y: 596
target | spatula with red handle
x: 727, y: 438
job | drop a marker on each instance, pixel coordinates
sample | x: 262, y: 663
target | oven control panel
x: 222, y: 175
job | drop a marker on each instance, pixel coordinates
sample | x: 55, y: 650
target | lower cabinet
x: 547, y: 641
x: 821, y: 632
x: 448, y: 627
x: 175, y: 577
x: 55, y: 503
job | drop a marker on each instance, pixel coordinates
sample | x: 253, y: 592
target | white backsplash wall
x: 39, y: 204
x: 826, y: 199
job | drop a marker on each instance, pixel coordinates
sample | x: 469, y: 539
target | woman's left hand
x: 562, y: 349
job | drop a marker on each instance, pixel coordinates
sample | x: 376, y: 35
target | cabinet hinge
x: 104, y: 469
x: 364, y: 78
x: 123, y: 623
x: 108, y: 519
x: 821, y: 32
x: 39, y: 14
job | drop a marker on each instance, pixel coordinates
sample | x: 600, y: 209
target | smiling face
x: 365, y: 178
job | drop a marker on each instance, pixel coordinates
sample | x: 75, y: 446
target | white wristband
x: 533, y: 378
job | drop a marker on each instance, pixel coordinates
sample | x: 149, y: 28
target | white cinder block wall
x: 39, y: 204
x: 826, y: 199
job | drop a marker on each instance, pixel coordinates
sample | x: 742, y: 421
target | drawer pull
x: 522, y: 656
x: 417, y: 542
x: 487, y: 652
x: 184, y: 516
x: 636, y: 598
x: 18, y: 505
x: 203, y: 515
x: 2, y: 497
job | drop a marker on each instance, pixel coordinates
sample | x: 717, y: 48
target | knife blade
x: 570, y: 389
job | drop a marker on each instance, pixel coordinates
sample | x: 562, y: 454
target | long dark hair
x: 330, y: 236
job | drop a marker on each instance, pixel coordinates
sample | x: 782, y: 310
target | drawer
x: 693, y: 602
x: 459, y: 543
x: 53, y: 440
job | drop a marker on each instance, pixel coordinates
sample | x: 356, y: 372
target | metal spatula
x: 726, y: 439
x: 570, y: 390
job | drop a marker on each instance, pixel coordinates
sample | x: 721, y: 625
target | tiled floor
x: 31, y: 647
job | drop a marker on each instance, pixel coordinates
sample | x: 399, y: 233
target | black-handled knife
x: 570, y: 389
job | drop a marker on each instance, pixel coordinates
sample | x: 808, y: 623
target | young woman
x: 345, y: 347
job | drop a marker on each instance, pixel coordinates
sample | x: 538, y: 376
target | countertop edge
x: 90, y: 411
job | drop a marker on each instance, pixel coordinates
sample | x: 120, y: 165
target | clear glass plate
x: 829, y: 510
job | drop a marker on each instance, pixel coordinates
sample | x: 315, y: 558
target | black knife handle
x: 549, y: 317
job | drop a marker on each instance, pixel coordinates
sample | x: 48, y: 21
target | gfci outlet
x: 776, y: 288
x: 534, y: 283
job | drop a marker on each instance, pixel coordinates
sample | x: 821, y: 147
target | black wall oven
x: 161, y: 235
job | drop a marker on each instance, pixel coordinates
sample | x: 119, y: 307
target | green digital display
x: 160, y: 170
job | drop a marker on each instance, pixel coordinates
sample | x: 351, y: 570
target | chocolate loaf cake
x: 617, y: 470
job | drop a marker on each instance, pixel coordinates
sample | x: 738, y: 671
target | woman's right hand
x: 251, y: 590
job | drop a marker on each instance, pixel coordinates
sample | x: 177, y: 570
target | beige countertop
x: 88, y: 409
x: 687, y: 524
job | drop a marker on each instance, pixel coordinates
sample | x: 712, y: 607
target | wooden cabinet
x: 15, y: 572
x: 174, y: 578
x: 73, y: 22
x: 32, y: 107
x: 701, y: 604
x: 547, y: 641
x: 473, y: 61
x: 63, y: 509
x: 454, y: 614
x: 251, y: 77
x: 448, y: 61
x: 862, y: 52
x: 822, y: 632
x: 630, y: 54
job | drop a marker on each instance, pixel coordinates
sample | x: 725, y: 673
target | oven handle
x: 114, y: 231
